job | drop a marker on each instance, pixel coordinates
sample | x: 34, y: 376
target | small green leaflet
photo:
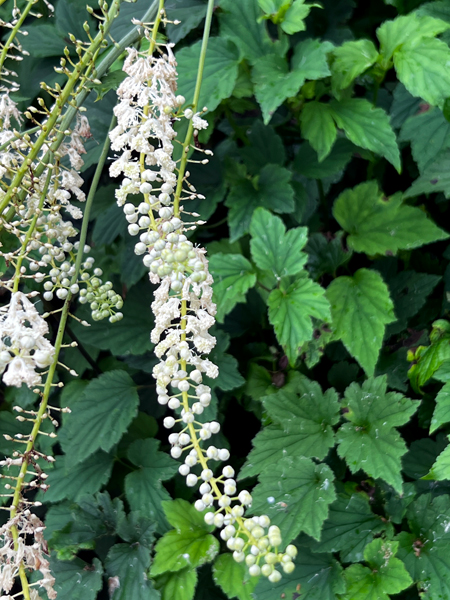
x: 240, y: 23
x: 177, y: 586
x: 350, y: 60
x: 75, y: 579
x: 295, y: 494
x: 385, y: 574
x: 233, y: 578
x: 273, y: 249
x: 100, y: 417
x: 297, y: 431
x: 351, y: 524
x: 435, y: 178
x: 189, y: 545
x: 219, y: 76
x: 274, y: 82
x: 364, y: 125
x: 318, y: 576
x: 360, y: 310
x: 377, y: 225
x: 143, y: 488
x: 421, y: 67
x: 294, y: 18
x: 291, y: 311
x: 429, y: 133
x: 233, y: 276
x: 425, y: 550
x: 67, y: 480
x: 271, y: 189
x: 369, y: 441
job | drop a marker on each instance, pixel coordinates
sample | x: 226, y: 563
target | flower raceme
x: 183, y: 308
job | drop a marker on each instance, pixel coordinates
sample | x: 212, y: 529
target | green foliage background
x: 327, y: 203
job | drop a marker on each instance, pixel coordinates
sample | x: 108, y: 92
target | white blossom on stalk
x: 183, y: 307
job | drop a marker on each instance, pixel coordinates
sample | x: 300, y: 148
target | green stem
x: 52, y: 369
x: 198, y: 83
x: 14, y: 31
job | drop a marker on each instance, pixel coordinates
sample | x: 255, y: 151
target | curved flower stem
x: 198, y: 83
x: 52, y: 369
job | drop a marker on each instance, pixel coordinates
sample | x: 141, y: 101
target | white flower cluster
x: 23, y: 347
x: 183, y: 307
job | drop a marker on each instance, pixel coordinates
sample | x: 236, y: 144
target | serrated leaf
x: 435, y: 178
x: 377, y: 225
x: 421, y: 67
x: 350, y: 60
x: 392, y: 34
x: 291, y: 312
x: 360, y: 310
x: 233, y: 276
x: 295, y: 494
x: 317, y: 576
x: 306, y: 162
x: 386, y: 575
x: 232, y: 577
x: 240, y: 23
x: 403, y: 106
x: 441, y: 413
x: 273, y: 249
x: 429, y: 133
x: 295, y: 15
x: 129, y: 563
x: 177, y: 586
x: 67, y: 480
x: 421, y: 456
x: 425, y: 550
x: 351, y: 524
x: 100, y: 417
x: 370, y: 441
x: 441, y: 468
x: 219, y: 75
x: 367, y: 127
x: 273, y: 191
x: 189, y: 545
x: 75, y: 579
x: 266, y: 147
x: 143, y: 488
x: 318, y: 127
x: 325, y: 256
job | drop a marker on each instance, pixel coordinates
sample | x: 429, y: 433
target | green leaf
x: 386, y: 575
x: 190, y: 13
x: 360, y: 310
x: 43, y: 40
x: 99, y: 418
x: 441, y: 413
x: 317, y: 576
x: 266, y: 147
x: 370, y: 441
x: 129, y: 563
x: 272, y: 190
x: 177, y: 586
x: 403, y: 106
x: 295, y: 494
x: 428, y: 359
x: 367, y: 127
x: 421, y: 67
x: 240, y: 23
x: 441, y: 468
x: 219, y: 75
x: 274, y: 82
x: 233, y: 277
x: 377, y: 225
x: 67, y: 480
x: 291, y: 312
x: 350, y: 60
x: 232, y: 578
x: 318, y: 127
x: 306, y: 162
x: 295, y: 15
x: 273, y: 249
x: 189, y: 545
x: 143, y: 488
x: 425, y: 550
x: 75, y: 579
x: 351, y: 525
x: 325, y: 256
x: 435, y: 178
x: 429, y: 133
x: 128, y: 336
x: 393, y: 34
x: 111, y: 224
